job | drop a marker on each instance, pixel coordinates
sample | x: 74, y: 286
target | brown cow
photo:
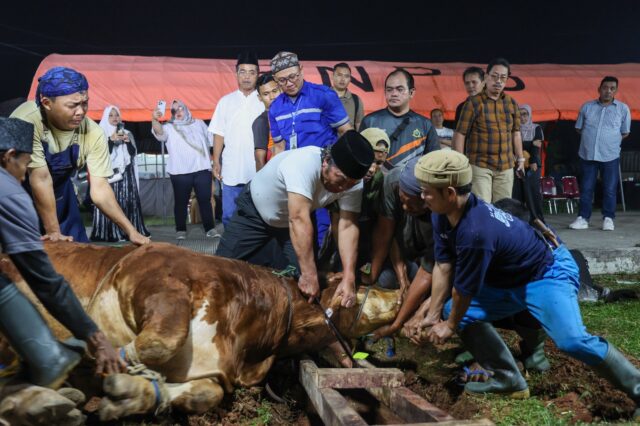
x: 206, y: 323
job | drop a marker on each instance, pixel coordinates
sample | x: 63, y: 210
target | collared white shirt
x: 232, y: 119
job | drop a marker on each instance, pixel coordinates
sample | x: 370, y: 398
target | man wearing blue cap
x: 48, y: 361
x: 64, y: 139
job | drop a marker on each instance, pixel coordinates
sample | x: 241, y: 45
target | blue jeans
x: 229, y: 195
x: 552, y: 300
x: 609, y: 172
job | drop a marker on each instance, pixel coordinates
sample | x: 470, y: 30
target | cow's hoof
x: 73, y: 394
x: 125, y: 396
x: 34, y: 405
x: 197, y: 396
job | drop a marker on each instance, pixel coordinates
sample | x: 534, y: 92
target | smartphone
x: 120, y: 128
x: 162, y: 107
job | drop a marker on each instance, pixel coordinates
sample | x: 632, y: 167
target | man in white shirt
x: 279, y: 202
x: 445, y: 134
x: 233, y: 157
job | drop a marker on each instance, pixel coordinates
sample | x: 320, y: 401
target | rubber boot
x: 48, y: 361
x: 488, y: 348
x: 532, y: 348
x: 617, y: 369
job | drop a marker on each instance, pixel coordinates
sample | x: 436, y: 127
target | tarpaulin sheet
x: 136, y: 83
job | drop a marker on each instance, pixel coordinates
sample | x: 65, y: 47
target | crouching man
x: 279, y: 200
x: 499, y: 265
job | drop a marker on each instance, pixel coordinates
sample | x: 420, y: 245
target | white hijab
x: 120, y: 157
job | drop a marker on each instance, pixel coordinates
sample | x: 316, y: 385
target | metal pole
x: 162, y: 186
x: 624, y: 205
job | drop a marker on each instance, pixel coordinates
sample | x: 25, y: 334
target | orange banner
x: 136, y: 83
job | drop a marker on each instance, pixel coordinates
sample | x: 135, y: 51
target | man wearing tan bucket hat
x: 497, y: 266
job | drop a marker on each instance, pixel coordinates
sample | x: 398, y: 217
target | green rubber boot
x: 488, y: 348
x: 617, y: 369
x: 48, y: 362
x: 532, y: 348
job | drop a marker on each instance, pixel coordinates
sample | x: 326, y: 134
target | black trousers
x: 532, y: 180
x: 247, y: 236
x: 182, y: 185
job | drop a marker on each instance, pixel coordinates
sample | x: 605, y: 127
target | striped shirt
x: 489, y: 125
x: 312, y: 116
x: 602, y: 127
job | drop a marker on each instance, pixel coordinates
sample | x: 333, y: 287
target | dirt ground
x: 569, y: 389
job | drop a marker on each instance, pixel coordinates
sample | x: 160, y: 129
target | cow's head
x: 374, y: 308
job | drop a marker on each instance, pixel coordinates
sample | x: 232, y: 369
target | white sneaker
x: 607, y: 224
x: 212, y: 233
x: 579, y: 223
x: 181, y: 235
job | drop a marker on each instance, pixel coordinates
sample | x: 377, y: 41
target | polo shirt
x: 489, y: 125
x: 602, y: 128
x: 314, y: 115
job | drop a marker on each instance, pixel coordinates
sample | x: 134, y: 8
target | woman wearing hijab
x: 531, y: 143
x: 124, y: 182
x: 189, y: 164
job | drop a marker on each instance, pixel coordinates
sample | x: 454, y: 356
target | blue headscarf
x: 60, y: 81
x: 408, y: 182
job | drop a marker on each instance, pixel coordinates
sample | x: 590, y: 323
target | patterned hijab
x: 186, y: 120
x: 60, y: 81
x: 528, y: 129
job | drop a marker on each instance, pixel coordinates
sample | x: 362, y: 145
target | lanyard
x: 293, y: 138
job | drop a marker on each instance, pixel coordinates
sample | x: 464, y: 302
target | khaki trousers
x: 491, y: 185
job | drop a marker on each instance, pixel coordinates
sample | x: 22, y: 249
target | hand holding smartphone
x: 162, y: 108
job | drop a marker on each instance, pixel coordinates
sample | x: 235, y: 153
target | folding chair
x: 549, y: 193
x: 570, y: 191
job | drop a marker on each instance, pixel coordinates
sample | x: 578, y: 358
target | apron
x: 62, y: 165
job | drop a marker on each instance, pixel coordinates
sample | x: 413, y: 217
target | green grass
x: 505, y: 412
x: 617, y: 322
x: 264, y: 414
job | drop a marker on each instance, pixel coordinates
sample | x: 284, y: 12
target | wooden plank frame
x: 385, y: 384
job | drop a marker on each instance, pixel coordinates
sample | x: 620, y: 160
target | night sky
x: 426, y: 31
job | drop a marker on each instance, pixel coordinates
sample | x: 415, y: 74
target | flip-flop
x: 463, y: 377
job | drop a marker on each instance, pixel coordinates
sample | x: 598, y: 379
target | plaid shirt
x: 488, y: 126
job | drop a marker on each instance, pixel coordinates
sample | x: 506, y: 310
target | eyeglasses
x: 251, y: 73
x: 291, y: 79
x: 399, y: 89
x: 497, y: 77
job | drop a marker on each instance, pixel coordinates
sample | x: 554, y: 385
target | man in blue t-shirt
x: 499, y: 265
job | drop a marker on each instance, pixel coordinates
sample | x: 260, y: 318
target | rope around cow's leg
x: 136, y: 368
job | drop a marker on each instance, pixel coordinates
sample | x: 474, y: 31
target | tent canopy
x: 136, y: 83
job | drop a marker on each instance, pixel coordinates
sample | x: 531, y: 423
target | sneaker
x: 579, y: 223
x: 181, y: 235
x: 212, y: 233
x: 607, y: 224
